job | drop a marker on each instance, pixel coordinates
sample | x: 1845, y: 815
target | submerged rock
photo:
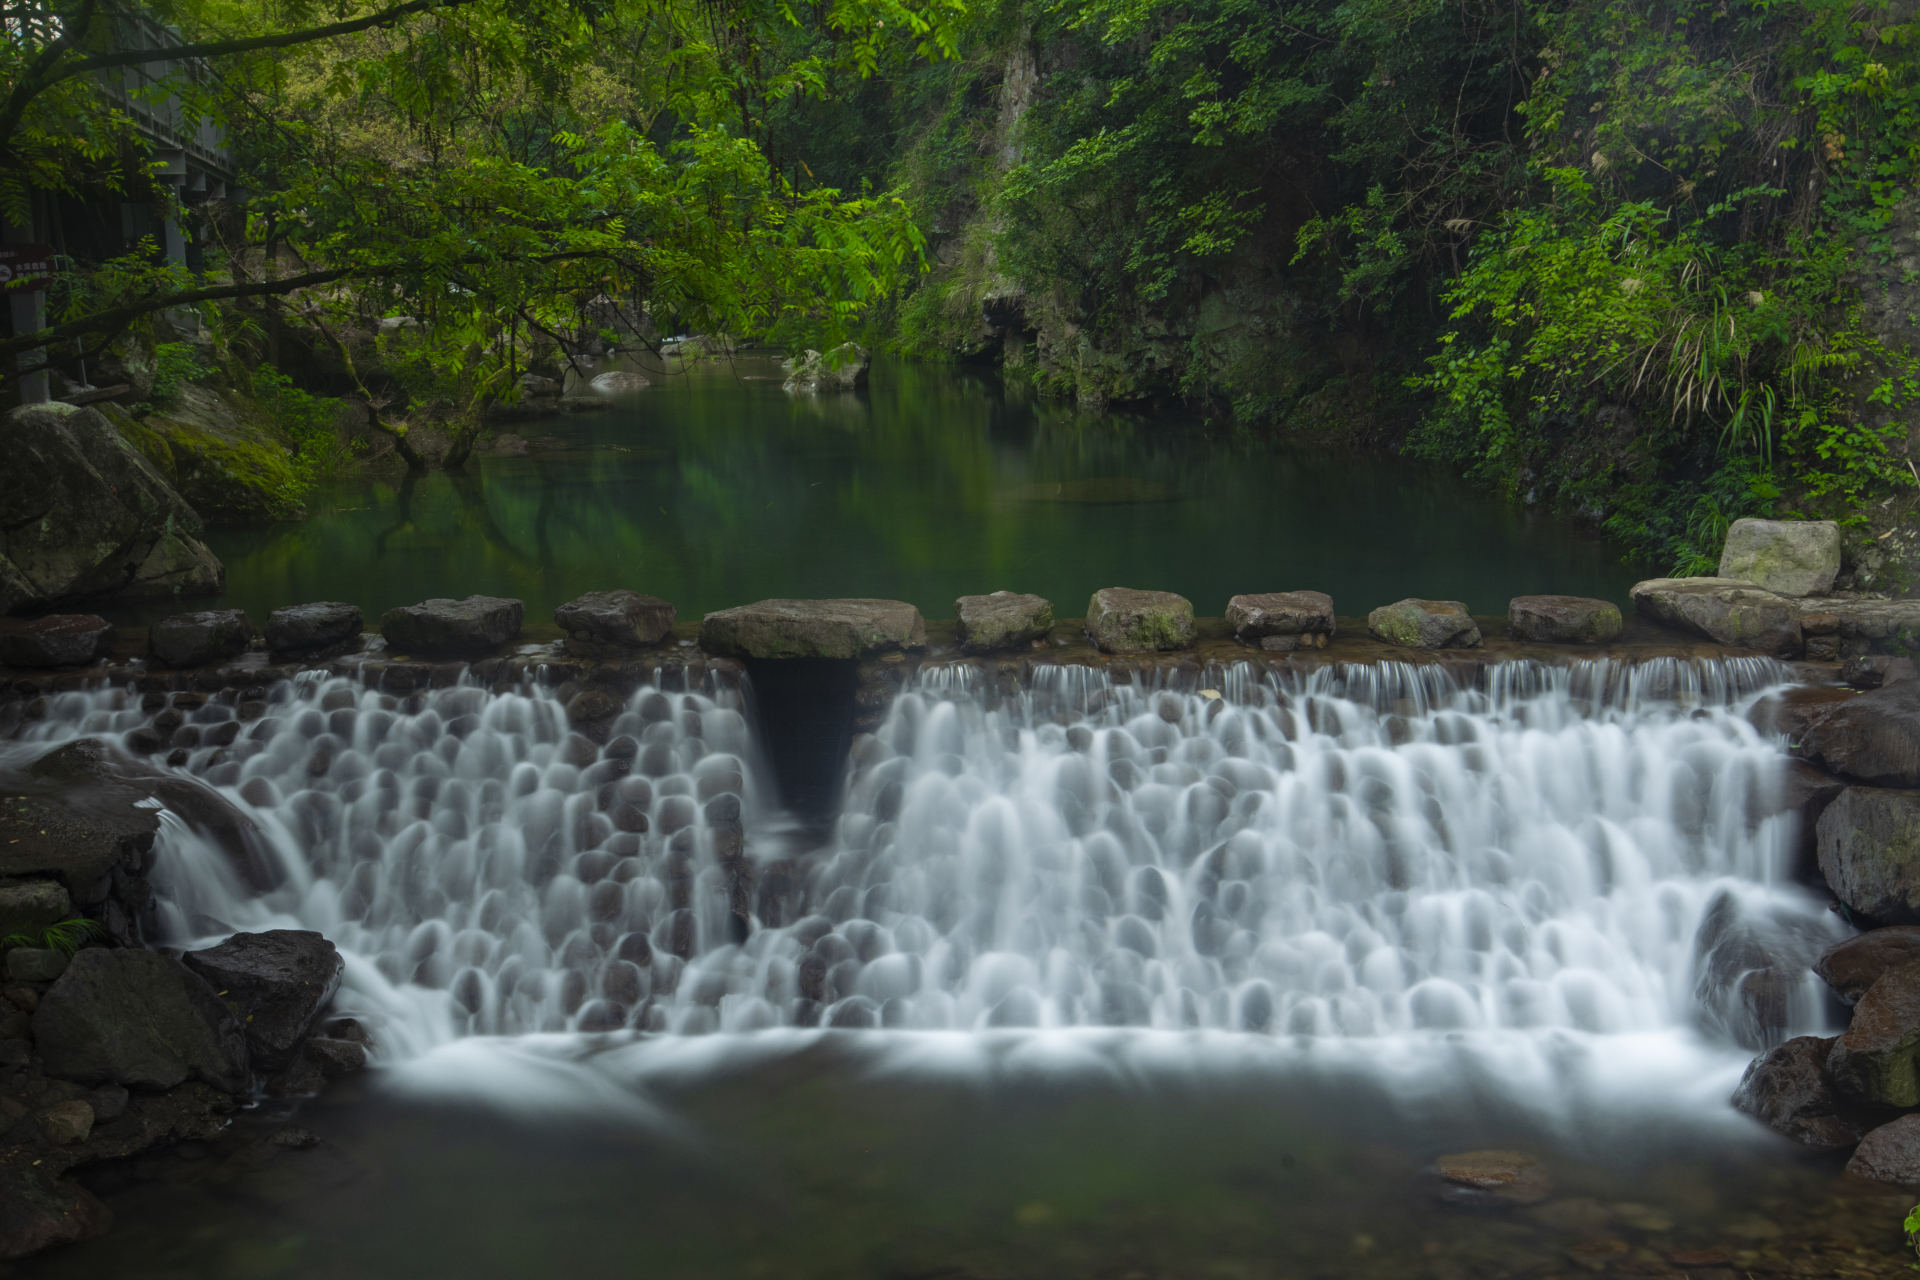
x: 1869, y: 841
x: 1890, y: 1153
x: 1787, y: 1088
x: 1563, y: 619
x: 619, y: 382
x: 470, y: 628
x: 1855, y: 964
x: 842, y: 369
x: 814, y: 629
x: 1728, y: 610
x: 1874, y: 737
x: 38, y: 1211
x: 279, y: 982
x: 1873, y: 1061
x: 1123, y: 620
x: 1509, y: 1177
x: 141, y: 1019
x: 1282, y: 620
x: 58, y: 640
x: 1002, y: 620
x: 197, y: 639
x: 604, y: 620
x: 1425, y: 624
x: 325, y: 627
x: 1791, y: 557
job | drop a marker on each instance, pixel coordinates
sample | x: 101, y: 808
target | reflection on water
x: 715, y: 487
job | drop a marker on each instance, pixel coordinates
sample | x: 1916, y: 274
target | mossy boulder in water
x: 1123, y: 620
x: 1787, y: 1089
x: 1790, y: 557
x: 1563, y: 619
x: 1425, y: 624
x: 814, y: 629
x: 842, y: 369
x: 1001, y: 620
x: 1869, y: 841
x: 1728, y: 610
x: 223, y: 452
x: 1875, y: 1060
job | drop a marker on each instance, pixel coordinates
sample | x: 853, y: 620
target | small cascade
x: 1356, y: 851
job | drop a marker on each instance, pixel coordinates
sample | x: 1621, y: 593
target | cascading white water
x: 1362, y: 852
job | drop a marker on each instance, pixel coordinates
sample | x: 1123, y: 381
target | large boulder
x: 222, y: 451
x: 58, y: 640
x: 325, y: 628
x: 38, y: 1211
x: 1123, y: 620
x: 1002, y: 620
x: 619, y: 382
x: 1728, y: 610
x: 1282, y: 620
x: 77, y: 833
x: 1890, y: 1153
x: 279, y: 982
x: 1790, y: 557
x: 1563, y: 619
x: 1425, y: 624
x: 1873, y: 1061
x: 140, y: 1019
x: 604, y: 621
x: 470, y: 628
x: 1854, y: 964
x: 1874, y: 737
x: 813, y: 629
x: 1869, y: 843
x: 1787, y: 1088
x: 28, y: 906
x: 198, y: 639
x: 84, y: 516
x: 842, y: 369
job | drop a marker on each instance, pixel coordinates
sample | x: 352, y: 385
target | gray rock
x: 1880, y: 626
x: 1787, y: 1088
x: 279, y: 982
x: 535, y: 387
x: 813, y: 629
x: 77, y: 830
x: 28, y: 906
x: 1728, y: 610
x: 1425, y: 624
x: 308, y: 628
x: 1791, y: 557
x: 1304, y: 617
x: 605, y: 620
x: 1890, y: 1153
x: 336, y: 1058
x: 58, y: 640
x: 65, y: 1123
x: 1869, y: 842
x: 1563, y: 619
x: 1123, y: 620
x: 38, y: 1211
x: 1874, y: 737
x: 1851, y: 966
x: 198, y: 639
x: 36, y: 964
x: 470, y: 628
x: 141, y: 1019
x: 1874, y: 1060
x: 842, y: 369
x: 619, y: 383
x: 1002, y: 620
x: 1805, y: 792
x: 1873, y: 670
x: 83, y: 515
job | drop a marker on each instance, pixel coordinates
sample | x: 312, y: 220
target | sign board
x: 25, y: 267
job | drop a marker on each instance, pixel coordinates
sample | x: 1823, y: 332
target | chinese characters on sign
x: 25, y: 267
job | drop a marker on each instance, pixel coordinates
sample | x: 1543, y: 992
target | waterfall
x: 1366, y: 851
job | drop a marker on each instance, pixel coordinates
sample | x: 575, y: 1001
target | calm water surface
x: 716, y: 488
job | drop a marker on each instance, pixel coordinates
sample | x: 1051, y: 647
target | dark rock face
x: 1786, y: 1087
x: 1872, y: 670
x: 1874, y: 737
x: 1869, y: 842
x: 814, y: 629
x: 469, y: 628
x: 1425, y: 624
x: 28, y: 906
x: 279, y: 981
x: 1874, y: 1060
x: 196, y: 639
x: 1731, y: 611
x: 1852, y: 966
x: 38, y: 1211
x: 1890, y: 1153
x: 1282, y: 620
x: 83, y: 516
x: 59, y: 640
x: 611, y: 620
x: 141, y: 1019
x: 1123, y: 620
x: 1002, y: 620
x: 1805, y: 792
x: 307, y: 629
x: 1563, y: 619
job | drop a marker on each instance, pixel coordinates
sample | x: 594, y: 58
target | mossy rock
x: 1122, y: 620
x: 222, y: 452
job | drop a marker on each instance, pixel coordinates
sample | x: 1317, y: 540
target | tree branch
x: 119, y: 317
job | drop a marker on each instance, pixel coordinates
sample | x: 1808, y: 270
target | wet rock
x: 141, y: 1019
x: 198, y: 639
x: 1872, y: 670
x: 1748, y: 963
x: 329, y: 627
x: 294, y: 1138
x: 108, y: 1102
x: 58, y: 640
x: 278, y: 983
x: 469, y: 628
x: 592, y: 707
x: 1869, y: 848
x: 814, y: 629
x: 1790, y: 557
x: 65, y: 1122
x: 1123, y: 620
x: 1425, y: 624
x: 38, y: 1211
x: 1304, y: 617
x: 1507, y: 1177
x: 1563, y: 620
x: 1805, y: 792
x: 601, y: 621
x: 28, y: 906
x: 1730, y: 611
x: 1002, y: 620
x: 1890, y: 1153
x: 79, y: 835
x: 619, y: 382
x: 35, y: 964
x: 1874, y: 1060
x: 336, y: 1058
x: 1787, y: 1089
x: 84, y: 515
x: 844, y: 368
x: 1874, y: 737
x: 1852, y: 966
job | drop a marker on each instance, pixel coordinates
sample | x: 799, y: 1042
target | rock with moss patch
x: 223, y: 452
x: 1001, y: 620
x: 1728, y: 610
x: 1125, y: 620
x: 1869, y: 842
x: 842, y: 369
x: 1425, y: 624
x: 1563, y: 619
x: 1282, y: 620
x: 1789, y: 557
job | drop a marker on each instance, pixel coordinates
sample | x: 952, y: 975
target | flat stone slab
x: 1123, y: 620
x: 1002, y: 620
x: 1563, y: 619
x: 814, y: 629
x: 607, y: 620
x: 1733, y: 612
x: 197, y: 639
x: 468, y: 628
x: 1789, y: 557
x: 1281, y: 621
x: 59, y: 640
x: 1425, y: 624
x: 309, y: 628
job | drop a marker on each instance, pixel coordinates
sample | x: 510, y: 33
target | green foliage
x: 320, y: 451
x: 65, y: 936
x: 174, y: 363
